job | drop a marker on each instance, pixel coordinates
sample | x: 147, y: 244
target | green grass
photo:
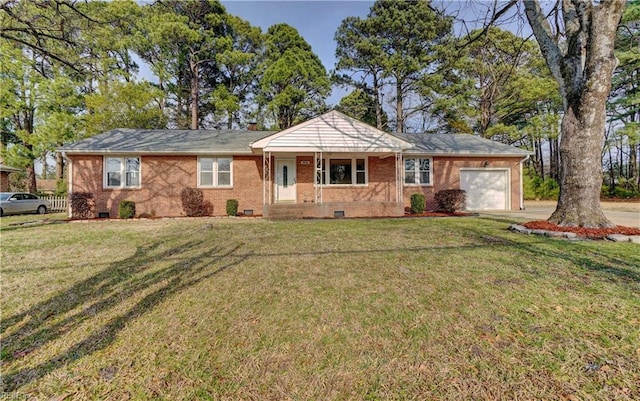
x: 385, y: 309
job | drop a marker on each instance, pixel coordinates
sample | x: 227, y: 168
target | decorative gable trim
x: 332, y: 132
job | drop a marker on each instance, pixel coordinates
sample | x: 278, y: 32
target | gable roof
x: 332, y: 132
x: 159, y: 141
x: 460, y: 144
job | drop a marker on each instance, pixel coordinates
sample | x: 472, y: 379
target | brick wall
x: 4, y: 181
x: 163, y: 179
x: 446, y: 175
x: 381, y: 183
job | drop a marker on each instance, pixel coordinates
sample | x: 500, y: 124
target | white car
x: 22, y: 202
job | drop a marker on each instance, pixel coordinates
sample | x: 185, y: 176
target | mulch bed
x: 582, y: 231
x: 439, y: 214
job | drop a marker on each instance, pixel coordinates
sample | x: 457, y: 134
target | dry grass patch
x: 346, y: 309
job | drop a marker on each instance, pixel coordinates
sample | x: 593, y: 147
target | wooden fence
x: 58, y: 203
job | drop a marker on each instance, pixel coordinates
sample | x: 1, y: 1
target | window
x: 122, y: 172
x: 417, y: 171
x: 214, y: 172
x: 343, y: 172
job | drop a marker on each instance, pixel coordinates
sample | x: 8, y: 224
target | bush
x: 193, y: 203
x: 232, y: 207
x: 451, y: 200
x: 418, y: 203
x: 126, y: 209
x: 61, y: 188
x: 81, y: 205
x: 536, y: 187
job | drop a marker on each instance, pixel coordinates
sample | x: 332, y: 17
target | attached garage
x: 486, y: 189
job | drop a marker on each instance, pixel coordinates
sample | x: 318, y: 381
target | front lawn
x: 247, y: 309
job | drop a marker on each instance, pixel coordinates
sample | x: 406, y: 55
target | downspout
x: 522, y: 181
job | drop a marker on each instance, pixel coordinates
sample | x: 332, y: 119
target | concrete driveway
x: 620, y: 213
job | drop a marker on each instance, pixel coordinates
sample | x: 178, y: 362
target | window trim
x: 123, y: 172
x: 417, y: 171
x: 215, y: 172
x: 326, y: 163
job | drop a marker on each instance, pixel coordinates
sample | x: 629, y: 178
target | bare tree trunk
x: 59, y: 165
x: 399, y: 107
x: 612, y: 175
x: 583, y: 69
x: 581, y: 168
x: 193, y: 66
x: 376, y: 96
x: 31, y: 179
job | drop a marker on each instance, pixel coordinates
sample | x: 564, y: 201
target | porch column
x: 399, y: 178
x: 318, y: 184
x: 266, y: 178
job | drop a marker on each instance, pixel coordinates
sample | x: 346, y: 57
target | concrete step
x: 287, y: 212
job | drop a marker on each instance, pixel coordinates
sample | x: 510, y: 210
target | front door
x: 285, y: 180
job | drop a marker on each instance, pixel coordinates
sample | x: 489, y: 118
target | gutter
x: 522, y: 181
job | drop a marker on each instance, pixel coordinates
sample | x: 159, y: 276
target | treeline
x: 72, y: 69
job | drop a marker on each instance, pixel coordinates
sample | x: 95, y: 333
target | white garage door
x: 486, y: 189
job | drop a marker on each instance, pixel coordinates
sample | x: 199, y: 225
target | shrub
x: 451, y: 200
x: 81, y: 205
x: 536, y: 187
x: 418, y: 203
x: 61, y: 188
x: 193, y: 203
x: 126, y: 209
x: 232, y: 207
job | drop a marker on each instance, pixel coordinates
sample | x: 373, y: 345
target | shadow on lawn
x: 188, y: 264
x: 593, y: 258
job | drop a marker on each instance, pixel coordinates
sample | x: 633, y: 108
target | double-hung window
x: 343, y: 171
x: 417, y: 171
x: 122, y: 172
x: 214, y: 172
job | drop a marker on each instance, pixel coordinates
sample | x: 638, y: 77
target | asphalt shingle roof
x: 126, y: 140
x: 459, y: 144
x: 163, y: 141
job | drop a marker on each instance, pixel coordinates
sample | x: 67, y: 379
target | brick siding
x: 446, y: 175
x: 164, y: 177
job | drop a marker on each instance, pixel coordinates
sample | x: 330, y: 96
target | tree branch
x: 547, y: 42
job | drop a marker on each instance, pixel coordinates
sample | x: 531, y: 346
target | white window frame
x: 215, y: 172
x: 417, y: 171
x: 123, y: 172
x: 326, y: 163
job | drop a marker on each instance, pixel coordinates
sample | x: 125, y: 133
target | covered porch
x: 331, y: 166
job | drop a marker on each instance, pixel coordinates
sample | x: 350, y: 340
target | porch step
x: 286, y: 212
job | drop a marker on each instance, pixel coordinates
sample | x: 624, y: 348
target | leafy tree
x: 124, y: 104
x: 398, y: 42
x: 582, y: 65
x: 240, y: 53
x: 46, y: 28
x: 294, y: 83
x: 624, y: 102
x: 360, y: 105
x: 178, y: 38
x: 492, y: 87
x: 358, y: 51
x: 19, y: 89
